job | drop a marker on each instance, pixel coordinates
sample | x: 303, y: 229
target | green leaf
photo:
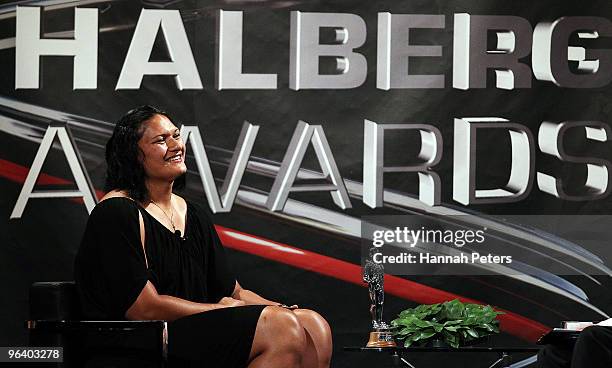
x: 489, y: 327
x: 454, y: 309
x: 453, y: 322
x: 437, y: 326
x: 423, y: 324
x: 424, y: 335
x: 405, y: 331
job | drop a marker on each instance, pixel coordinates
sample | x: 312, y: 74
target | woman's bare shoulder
x: 110, y: 200
x: 115, y: 193
x: 115, y: 205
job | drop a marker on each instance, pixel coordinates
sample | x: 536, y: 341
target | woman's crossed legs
x: 298, y: 338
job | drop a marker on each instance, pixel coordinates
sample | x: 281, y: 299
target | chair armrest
x: 80, y: 326
x: 43, y: 324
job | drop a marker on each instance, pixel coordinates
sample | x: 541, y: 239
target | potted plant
x: 452, y: 323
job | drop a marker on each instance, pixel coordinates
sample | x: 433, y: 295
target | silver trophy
x: 374, y: 276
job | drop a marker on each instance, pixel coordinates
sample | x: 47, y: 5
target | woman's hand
x: 231, y: 302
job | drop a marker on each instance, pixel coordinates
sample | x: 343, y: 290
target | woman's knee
x: 284, y: 329
x: 313, y: 320
x: 319, y: 331
x: 310, y: 315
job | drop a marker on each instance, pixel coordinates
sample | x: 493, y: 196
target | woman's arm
x: 249, y: 297
x: 151, y: 306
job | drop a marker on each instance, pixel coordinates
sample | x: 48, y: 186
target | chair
x: 55, y: 320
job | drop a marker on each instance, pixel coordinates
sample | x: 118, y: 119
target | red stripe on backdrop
x: 18, y: 173
x: 511, y: 323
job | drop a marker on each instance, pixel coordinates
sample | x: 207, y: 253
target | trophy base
x: 381, y: 339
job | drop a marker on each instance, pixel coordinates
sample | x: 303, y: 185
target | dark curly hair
x: 123, y: 156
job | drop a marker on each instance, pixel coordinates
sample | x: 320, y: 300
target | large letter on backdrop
x: 471, y: 57
x: 394, y: 50
x: 137, y: 64
x: 283, y: 184
x: 235, y: 170
x: 29, y: 47
x: 306, y: 51
x: 464, y: 163
x: 550, y: 140
x: 86, y: 189
x: 229, y: 56
x: 551, y: 52
x: 373, y: 162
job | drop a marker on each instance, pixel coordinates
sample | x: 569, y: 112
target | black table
x: 400, y: 353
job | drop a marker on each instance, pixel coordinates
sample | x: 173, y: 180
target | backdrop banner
x: 320, y: 132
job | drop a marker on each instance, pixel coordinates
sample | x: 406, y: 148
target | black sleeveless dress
x: 110, y: 273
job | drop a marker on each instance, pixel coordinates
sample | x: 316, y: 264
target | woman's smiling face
x: 163, y: 149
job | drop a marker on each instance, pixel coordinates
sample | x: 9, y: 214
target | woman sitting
x: 148, y: 254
